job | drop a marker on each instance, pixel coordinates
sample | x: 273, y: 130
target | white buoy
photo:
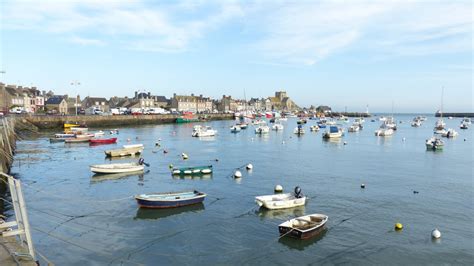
x: 184, y: 155
x: 283, y: 142
x: 249, y: 166
x: 278, y: 188
x: 435, y: 233
x: 237, y: 174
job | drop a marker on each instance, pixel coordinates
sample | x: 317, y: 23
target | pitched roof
x: 55, y: 100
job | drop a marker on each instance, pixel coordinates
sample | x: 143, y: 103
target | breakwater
x: 52, y: 122
x: 455, y: 114
x: 350, y: 114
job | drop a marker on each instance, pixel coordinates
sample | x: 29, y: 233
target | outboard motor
x: 141, y: 161
x: 298, y: 193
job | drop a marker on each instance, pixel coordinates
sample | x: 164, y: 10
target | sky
x: 345, y: 54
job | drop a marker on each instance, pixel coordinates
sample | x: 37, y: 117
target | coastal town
x: 31, y: 100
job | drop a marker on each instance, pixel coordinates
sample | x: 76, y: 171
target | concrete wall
x: 51, y: 122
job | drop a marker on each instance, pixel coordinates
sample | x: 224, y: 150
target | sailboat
x: 440, y: 124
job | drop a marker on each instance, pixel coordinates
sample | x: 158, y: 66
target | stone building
x: 195, y: 104
x: 56, y: 105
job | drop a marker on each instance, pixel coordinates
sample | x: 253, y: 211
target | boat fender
x: 298, y: 193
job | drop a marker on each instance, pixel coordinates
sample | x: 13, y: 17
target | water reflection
x: 153, y: 214
x: 193, y: 177
x: 283, y: 214
x: 96, y: 178
x: 301, y: 244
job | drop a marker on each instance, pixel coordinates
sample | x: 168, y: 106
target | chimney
x: 136, y: 94
x: 149, y: 94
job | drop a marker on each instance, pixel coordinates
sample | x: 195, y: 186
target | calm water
x: 102, y: 224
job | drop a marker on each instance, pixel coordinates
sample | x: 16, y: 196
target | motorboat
x: 466, y: 120
x: 170, y: 199
x: 384, y: 130
x: 434, y: 143
x: 277, y: 126
x: 303, y: 227
x: 463, y: 126
x: 439, y: 126
x: 314, y: 128
x: 301, y: 121
x: 450, y: 133
x: 382, y: 118
x: 263, y: 129
x: 235, y: 129
x: 243, y: 125
x: 343, y: 119
x: 390, y: 123
x: 299, y: 130
x: 354, y: 128
x: 416, y: 122
x: 282, y: 201
x: 334, y: 132
x: 203, y: 131
x: 359, y: 120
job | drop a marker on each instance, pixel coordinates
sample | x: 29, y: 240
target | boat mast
x: 442, y: 96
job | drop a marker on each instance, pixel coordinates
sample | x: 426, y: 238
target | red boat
x: 103, y: 141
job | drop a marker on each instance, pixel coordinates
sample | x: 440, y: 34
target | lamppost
x: 75, y: 84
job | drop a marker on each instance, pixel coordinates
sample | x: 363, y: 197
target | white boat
x: 334, y: 132
x: 382, y: 118
x: 116, y: 168
x: 79, y: 129
x: 416, y: 122
x: 299, y: 130
x: 434, y: 143
x: 259, y: 122
x: 280, y: 201
x: 131, y: 146
x: 391, y: 123
x: 330, y: 122
x: 303, y: 227
x: 263, y: 129
x: 354, y: 128
x: 203, y: 131
x: 463, y: 126
x: 98, y: 134
x: 277, y: 126
x: 314, y: 128
x: 125, y: 151
x: 359, y: 120
x: 283, y: 119
x: 235, y: 129
x: 450, y: 133
x: 343, y: 119
x: 466, y: 120
x: 439, y: 126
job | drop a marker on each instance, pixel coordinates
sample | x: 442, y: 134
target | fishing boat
x: 450, y: 133
x: 463, y: 126
x: 299, y: 130
x: 263, y: 129
x: 103, y: 141
x: 127, y: 150
x: 301, y: 121
x: 282, y: 201
x: 384, y: 130
x: 439, y: 126
x: 235, y: 129
x: 416, y: 122
x: 434, y: 143
x: 354, y: 128
x: 243, y: 125
x: 303, y: 227
x: 203, y: 131
x: 390, y: 123
x: 170, y: 199
x: 277, y: 126
x: 116, y: 168
x: 334, y: 132
x: 466, y: 120
x: 314, y: 128
x: 187, y: 117
x: 196, y: 170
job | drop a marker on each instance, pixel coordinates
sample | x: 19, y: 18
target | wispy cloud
x: 137, y: 24
x: 308, y: 32
x: 86, y: 41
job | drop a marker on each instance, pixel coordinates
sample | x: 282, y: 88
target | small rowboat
x: 130, y: 146
x: 116, y: 168
x: 282, y: 201
x: 125, y: 151
x: 170, y: 199
x: 103, y: 141
x: 77, y: 139
x: 303, y: 227
x: 197, y: 170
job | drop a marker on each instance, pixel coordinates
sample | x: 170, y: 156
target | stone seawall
x: 455, y: 114
x: 54, y: 122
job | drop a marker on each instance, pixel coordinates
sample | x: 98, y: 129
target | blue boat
x: 170, y: 199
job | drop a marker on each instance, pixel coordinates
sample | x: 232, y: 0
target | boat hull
x: 303, y: 227
x: 123, y: 152
x: 299, y: 234
x: 104, y: 169
x: 173, y: 203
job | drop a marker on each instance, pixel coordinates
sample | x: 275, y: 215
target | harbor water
x: 81, y: 219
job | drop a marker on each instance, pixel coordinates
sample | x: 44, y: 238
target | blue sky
x: 337, y: 53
